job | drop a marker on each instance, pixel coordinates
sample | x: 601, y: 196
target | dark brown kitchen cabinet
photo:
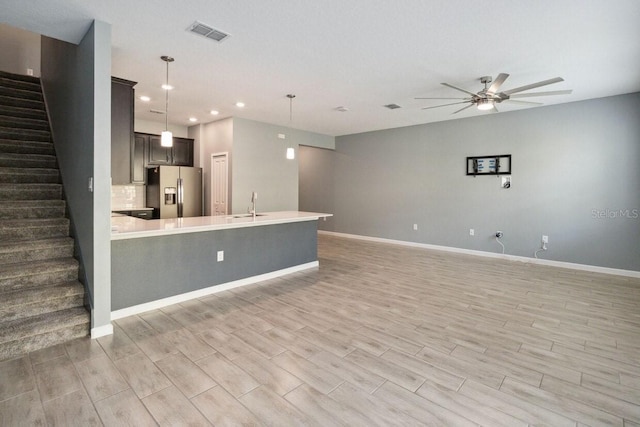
x: 138, y: 159
x: 181, y: 154
x: 122, y: 96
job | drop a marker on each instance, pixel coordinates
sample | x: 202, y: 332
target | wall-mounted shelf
x: 489, y: 165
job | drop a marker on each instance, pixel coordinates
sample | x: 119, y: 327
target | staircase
x: 41, y: 299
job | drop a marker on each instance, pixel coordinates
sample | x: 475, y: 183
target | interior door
x: 191, y: 191
x: 219, y: 184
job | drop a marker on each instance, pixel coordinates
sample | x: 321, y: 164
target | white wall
x: 20, y: 50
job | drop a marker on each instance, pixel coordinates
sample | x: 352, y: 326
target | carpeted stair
x: 41, y: 299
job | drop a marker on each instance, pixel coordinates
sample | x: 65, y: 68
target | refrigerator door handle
x: 180, y: 198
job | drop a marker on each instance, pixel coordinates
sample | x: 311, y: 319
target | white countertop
x: 127, y: 227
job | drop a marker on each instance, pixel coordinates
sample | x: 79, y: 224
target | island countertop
x: 126, y: 227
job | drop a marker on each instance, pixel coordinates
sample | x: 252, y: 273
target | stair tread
x: 43, y: 323
x: 30, y: 295
x: 35, y: 267
x: 32, y: 222
x: 11, y: 120
x: 35, y: 244
x: 33, y: 203
x: 28, y: 171
x: 20, y: 77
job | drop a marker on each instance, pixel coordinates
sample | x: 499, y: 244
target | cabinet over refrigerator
x: 174, y: 191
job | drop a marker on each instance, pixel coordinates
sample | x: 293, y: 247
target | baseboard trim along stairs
x: 41, y: 299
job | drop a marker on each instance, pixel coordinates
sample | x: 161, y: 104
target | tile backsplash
x: 128, y: 197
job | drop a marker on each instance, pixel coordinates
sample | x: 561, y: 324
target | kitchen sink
x: 247, y: 215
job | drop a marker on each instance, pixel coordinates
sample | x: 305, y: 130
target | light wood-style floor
x: 378, y: 335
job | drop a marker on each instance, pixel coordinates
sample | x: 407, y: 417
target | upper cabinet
x: 122, y: 97
x: 181, y: 154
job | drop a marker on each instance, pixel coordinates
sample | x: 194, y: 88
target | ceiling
x: 358, y: 54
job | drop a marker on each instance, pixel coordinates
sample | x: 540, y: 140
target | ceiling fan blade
x: 444, y: 105
x: 533, y: 85
x: 497, y: 83
x: 464, y: 108
x: 553, y: 92
x: 460, y: 89
x: 495, y: 109
x: 469, y: 99
x: 515, y: 101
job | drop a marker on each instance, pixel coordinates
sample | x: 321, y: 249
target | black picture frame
x: 489, y: 165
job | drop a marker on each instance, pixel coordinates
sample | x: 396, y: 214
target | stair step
x: 23, y: 123
x: 20, y: 84
x: 21, y: 93
x: 28, y: 229
x: 22, y: 103
x: 26, y: 209
x: 35, y: 250
x: 30, y: 192
x: 20, y: 77
x: 24, y: 134
x: 33, y: 333
x: 14, y: 160
x: 25, y: 113
x: 35, y: 301
x: 38, y: 273
x: 26, y: 147
x: 29, y: 175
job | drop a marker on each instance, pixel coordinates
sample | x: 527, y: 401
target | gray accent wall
x: 77, y: 87
x: 575, y: 178
x: 20, y: 50
x: 151, y: 268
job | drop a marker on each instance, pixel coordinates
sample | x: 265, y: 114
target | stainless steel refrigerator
x: 174, y: 191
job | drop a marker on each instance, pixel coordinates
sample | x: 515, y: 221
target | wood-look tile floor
x: 379, y: 335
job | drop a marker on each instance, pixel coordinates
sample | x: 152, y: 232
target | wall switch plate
x: 415, y: 226
x: 220, y: 256
x: 29, y: 71
x: 282, y: 136
x: 472, y: 232
x: 545, y: 239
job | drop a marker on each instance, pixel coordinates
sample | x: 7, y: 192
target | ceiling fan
x: 488, y: 97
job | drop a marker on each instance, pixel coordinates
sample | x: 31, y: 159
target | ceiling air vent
x: 207, y: 31
x: 156, y: 111
x: 392, y: 106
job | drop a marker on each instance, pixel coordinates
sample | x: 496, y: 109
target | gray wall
x: 20, y: 50
x: 148, y: 269
x: 571, y: 163
x: 77, y: 86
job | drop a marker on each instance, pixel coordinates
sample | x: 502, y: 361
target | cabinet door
x: 122, y: 96
x: 182, y: 152
x: 158, y: 155
x: 138, y: 159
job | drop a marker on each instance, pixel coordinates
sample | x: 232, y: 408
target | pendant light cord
x: 166, y: 102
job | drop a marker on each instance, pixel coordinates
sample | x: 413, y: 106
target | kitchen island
x: 155, y: 263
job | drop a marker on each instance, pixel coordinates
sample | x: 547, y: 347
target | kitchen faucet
x: 254, y: 197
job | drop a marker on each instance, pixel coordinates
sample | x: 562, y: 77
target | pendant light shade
x: 291, y: 153
x: 166, y: 139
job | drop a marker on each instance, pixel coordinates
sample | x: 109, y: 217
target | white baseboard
x: 101, y: 331
x: 154, y: 305
x: 562, y: 264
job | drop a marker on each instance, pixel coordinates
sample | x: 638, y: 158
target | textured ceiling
x: 360, y: 54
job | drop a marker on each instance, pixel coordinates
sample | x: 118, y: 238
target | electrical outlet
x: 29, y: 71
x: 472, y: 232
x: 545, y: 239
x: 220, y: 255
x: 415, y: 226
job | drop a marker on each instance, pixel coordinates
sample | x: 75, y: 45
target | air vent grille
x: 207, y: 31
x: 392, y: 106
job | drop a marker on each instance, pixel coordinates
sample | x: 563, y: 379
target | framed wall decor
x: 489, y: 165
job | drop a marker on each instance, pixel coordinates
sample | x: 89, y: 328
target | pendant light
x: 166, y: 139
x: 291, y: 154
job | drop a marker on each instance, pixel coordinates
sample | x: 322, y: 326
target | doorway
x: 219, y: 183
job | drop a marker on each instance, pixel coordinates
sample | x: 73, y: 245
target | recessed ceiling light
x: 167, y: 87
x: 239, y: 104
x: 145, y: 98
x: 215, y: 112
x: 193, y: 119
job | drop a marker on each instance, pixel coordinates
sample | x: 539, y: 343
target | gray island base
x: 158, y: 270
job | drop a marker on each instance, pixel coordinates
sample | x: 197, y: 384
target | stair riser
x: 8, y: 234
x: 29, y: 179
x: 19, y: 84
x: 32, y: 213
x: 29, y: 162
x: 20, y: 123
x: 22, y: 103
x: 26, y: 147
x: 36, y: 255
x: 23, y: 113
x: 39, y: 279
x: 41, y: 307
x: 54, y: 193
x: 36, y: 342
x: 24, y: 134
x: 20, y: 93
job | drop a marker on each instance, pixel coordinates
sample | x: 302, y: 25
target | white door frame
x: 212, y: 186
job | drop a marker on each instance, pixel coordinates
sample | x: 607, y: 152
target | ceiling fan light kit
x: 489, y: 97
